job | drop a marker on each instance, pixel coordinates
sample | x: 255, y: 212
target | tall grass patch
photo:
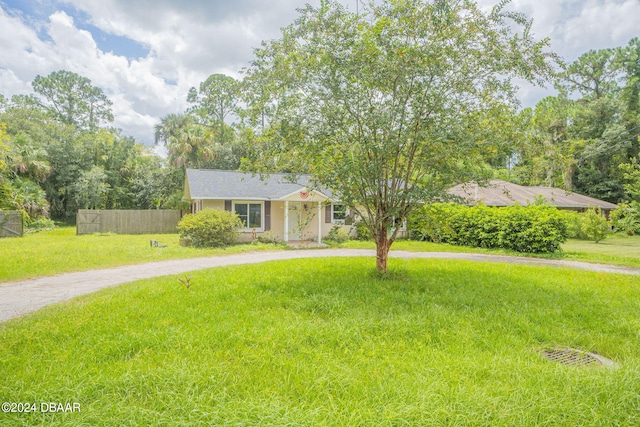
x: 325, y: 343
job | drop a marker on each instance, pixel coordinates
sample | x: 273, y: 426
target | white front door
x: 293, y: 223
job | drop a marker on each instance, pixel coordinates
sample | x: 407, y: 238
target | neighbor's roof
x: 502, y: 193
x: 211, y: 184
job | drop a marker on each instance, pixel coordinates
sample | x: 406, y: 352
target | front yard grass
x: 326, y: 342
x: 616, y: 249
x: 61, y: 250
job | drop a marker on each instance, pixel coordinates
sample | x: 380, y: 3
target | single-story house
x: 502, y: 193
x: 291, y: 211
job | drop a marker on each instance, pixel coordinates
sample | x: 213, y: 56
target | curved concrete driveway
x: 18, y: 298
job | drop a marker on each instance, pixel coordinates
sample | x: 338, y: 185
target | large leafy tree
x: 594, y: 75
x: 603, y: 120
x: 547, y: 151
x: 91, y: 189
x: 216, y: 100
x: 628, y: 59
x: 216, y: 104
x: 73, y: 100
x: 155, y: 186
x: 376, y: 105
x: 579, y: 139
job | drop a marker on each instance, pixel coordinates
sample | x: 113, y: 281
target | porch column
x: 286, y: 220
x: 319, y: 223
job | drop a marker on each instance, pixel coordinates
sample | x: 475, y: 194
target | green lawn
x: 326, y: 342
x: 617, y: 249
x: 61, y: 250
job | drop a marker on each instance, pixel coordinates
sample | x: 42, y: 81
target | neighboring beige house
x: 290, y: 210
x: 502, y: 193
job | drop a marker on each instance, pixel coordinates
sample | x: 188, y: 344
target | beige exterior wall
x: 213, y: 204
x: 308, y: 216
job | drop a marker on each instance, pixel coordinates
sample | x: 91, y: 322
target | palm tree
x: 191, y: 146
x: 170, y: 125
x: 28, y: 159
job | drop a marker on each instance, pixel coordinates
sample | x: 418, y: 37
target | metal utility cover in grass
x: 575, y: 357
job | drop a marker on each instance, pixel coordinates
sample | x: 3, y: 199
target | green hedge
x: 210, y: 228
x: 531, y: 229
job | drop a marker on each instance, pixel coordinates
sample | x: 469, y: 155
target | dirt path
x: 19, y: 298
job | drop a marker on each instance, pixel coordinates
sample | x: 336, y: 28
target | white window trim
x: 402, y: 228
x: 250, y: 202
x: 338, y: 221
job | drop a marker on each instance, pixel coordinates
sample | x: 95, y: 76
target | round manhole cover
x: 575, y: 357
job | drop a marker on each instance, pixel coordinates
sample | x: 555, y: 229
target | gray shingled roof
x: 502, y: 193
x: 210, y: 184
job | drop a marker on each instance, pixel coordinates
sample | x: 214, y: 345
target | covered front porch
x: 304, y: 217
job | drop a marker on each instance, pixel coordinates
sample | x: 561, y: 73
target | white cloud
x: 23, y: 54
x: 139, y: 93
x: 10, y: 84
x: 602, y: 24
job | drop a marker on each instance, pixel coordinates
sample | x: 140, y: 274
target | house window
x: 338, y: 213
x: 402, y: 226
x: 250, y: 214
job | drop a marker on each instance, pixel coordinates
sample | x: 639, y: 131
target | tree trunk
x: 383, y: 244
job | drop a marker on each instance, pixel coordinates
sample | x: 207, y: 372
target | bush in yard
x: 362, y: 232
x: 595, y: 225
x: 478, y: 226
x: 210, y: 228
x: 575, y: 225
x: 40, y: 223
x: 534, y: 229
x: 338, y: 234
x: 626, y: 218
x: 430, y: 222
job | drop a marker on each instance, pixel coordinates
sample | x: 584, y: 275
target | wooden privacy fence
x: 90, y: 221
x: 10, y: 224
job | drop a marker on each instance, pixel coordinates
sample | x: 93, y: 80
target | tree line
x: 58, y: 153
x: 587, y: 138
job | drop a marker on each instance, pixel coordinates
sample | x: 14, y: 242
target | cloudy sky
x: 146, y: 54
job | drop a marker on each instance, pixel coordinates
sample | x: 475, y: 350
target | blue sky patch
x: 35, y: 14
x: 119, y: 45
